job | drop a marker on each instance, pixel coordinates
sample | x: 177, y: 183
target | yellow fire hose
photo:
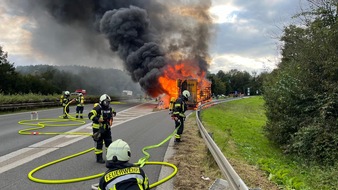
x: 41, y: 123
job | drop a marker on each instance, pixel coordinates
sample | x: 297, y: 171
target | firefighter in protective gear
x: 121, y: 174
x: 65, y: 100
x: 102, y: 117
x: 178, y: 115
x: 79, y: 106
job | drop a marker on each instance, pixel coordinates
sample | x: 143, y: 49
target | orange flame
x: 182, y: 70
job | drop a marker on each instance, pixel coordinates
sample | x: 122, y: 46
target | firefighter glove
x: 100, y: 120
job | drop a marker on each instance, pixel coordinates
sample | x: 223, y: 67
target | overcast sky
x: 244, y: 37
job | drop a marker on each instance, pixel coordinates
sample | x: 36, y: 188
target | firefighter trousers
x: 105, y: 138
x: 179, y: 123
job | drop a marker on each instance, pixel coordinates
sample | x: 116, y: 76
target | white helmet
x: 80, y: 94
x: 118, y: 150
x: 67, y: 93
x: 186, y: 94
x: 104, y: 100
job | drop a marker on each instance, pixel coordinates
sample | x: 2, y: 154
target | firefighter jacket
x: 179, y: 107
x: 65, y: 100
x: 80, y: 101
x: 106, y: 114
x: 61, y: 99
x: 124, y: 176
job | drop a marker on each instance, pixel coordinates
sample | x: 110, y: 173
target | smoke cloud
x: 139, y: 36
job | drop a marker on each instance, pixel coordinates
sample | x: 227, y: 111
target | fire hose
x: 42, y: 123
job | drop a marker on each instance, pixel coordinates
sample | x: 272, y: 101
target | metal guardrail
x: 11, y: 107
x: 232, y: 177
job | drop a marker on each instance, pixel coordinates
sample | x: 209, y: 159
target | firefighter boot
x: 177, y: 138
x: 99, y: 159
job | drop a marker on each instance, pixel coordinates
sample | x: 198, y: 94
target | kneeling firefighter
x: 121, y: 174
x: 179, y: 108
x: 102, y: 117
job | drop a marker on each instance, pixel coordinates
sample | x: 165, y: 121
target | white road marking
x: 22, y: 156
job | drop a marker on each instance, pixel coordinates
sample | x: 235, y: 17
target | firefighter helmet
x: 67, y: 93
x: 186, y: 94
x: 118, y: 150
x: 104, y: 100
x: 80, y: 94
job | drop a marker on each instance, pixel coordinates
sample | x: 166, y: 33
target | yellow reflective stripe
x: 139, y: 183
x: 81, y: 101
x: 94, y: 114
x: 96, y: 126
x: 177, y: 105
x: 119, y: 179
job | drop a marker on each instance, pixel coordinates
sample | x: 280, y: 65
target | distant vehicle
x: 78, y: 91
x: 127, y: 93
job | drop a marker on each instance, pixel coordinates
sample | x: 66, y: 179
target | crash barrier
x: 228, y: 172
x: 14, y: 107
x: 41, y: 123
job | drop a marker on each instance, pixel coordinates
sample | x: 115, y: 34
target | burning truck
x: 198, y: 93
x: 185, y: 76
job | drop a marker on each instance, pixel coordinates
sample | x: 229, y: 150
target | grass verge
x: 237, y: 128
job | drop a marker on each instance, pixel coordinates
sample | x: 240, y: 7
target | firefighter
x: 79, y: 106
x: 178, y: 115
x: 65, y: 101
x: 121, y: 174
x: 102, y: 117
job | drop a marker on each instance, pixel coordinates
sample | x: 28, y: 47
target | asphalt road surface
x: 136, y: 123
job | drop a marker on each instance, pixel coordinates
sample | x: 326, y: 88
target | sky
x: 244, y: 35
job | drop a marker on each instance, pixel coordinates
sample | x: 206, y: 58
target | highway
x: 136, y: 123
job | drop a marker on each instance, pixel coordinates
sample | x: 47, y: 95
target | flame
x: 181, y: 70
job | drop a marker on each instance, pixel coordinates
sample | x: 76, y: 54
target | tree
x: 302, y: 93
x: 7, y: 74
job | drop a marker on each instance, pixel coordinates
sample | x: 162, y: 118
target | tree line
x: 46, y: 79
x: 235, y: 81
x: 301, y: 95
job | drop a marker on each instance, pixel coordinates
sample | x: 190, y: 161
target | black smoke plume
x: 144, y: 35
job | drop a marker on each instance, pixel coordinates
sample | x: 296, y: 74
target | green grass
x: 237, y: 128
